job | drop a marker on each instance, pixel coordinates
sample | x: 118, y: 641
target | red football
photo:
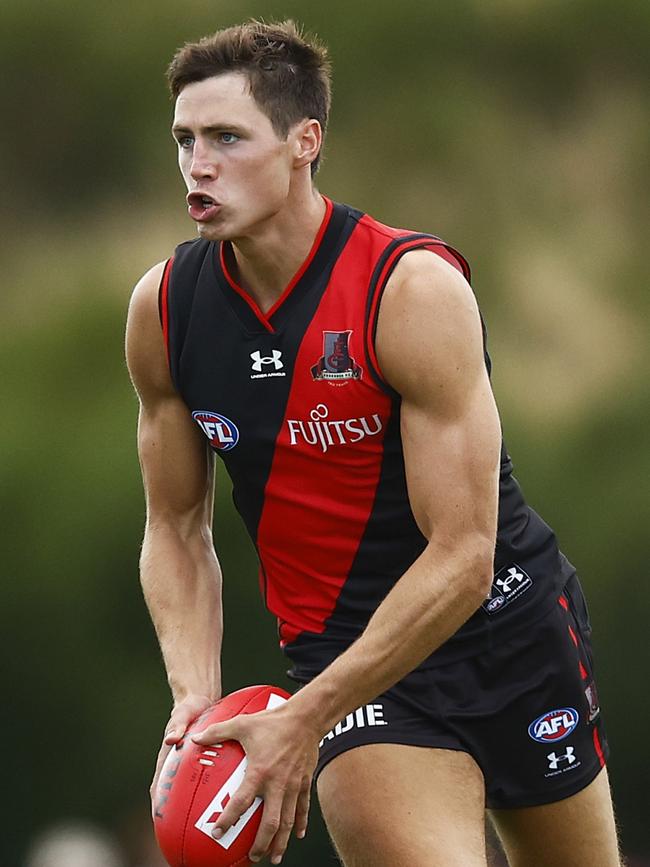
x: 196, y: 782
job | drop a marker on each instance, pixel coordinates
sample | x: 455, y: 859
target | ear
x: 307, y: 140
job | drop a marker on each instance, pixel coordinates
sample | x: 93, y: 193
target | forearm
x: 181, y: 582
x: 433, y: 598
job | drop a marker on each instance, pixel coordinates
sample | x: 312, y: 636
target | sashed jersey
x: 294, y: 403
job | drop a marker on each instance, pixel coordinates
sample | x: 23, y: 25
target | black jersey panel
x: 189, y: 260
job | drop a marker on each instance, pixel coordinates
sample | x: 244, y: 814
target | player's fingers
x: 163, y: 752
x: 269, y: 826
x: 287, y: 819
x: 302, y: 809
x: 160, y: 761
x: 236, y: 807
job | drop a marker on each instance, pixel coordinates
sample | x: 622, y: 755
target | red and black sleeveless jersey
x: 295, y: 404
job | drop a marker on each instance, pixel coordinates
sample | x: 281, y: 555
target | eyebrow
x: 218, y: 127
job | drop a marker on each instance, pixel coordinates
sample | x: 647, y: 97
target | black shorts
x: 527, y: 712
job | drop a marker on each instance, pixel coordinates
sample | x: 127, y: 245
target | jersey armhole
x: 163, y: 305
x: 380, y: 277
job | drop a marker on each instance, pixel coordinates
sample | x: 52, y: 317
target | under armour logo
x: 509, y: 584
x: 554, y: 760
x: 259, y: 360
x: 513, y: 575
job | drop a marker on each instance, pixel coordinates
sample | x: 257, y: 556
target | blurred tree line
x: 516, y: 129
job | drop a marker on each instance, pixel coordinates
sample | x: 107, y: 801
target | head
x: 252, y: 104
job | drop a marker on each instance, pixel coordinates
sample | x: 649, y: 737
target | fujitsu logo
x: 326, y: 433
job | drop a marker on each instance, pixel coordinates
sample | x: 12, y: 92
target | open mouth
x: 201, y: 207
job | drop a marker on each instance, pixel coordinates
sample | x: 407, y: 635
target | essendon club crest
x: 336, y: 364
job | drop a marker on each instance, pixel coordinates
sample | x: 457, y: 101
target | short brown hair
x: 289, y: 74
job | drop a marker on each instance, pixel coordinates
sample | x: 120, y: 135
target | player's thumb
x: 216, y: 733
x: 177, y: 727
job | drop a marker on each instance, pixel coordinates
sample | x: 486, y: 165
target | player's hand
x: 282, y: 751
x: 182, y: 715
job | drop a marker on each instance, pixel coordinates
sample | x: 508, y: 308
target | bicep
x: 177, y: 467
x: 450, y: 427
x: 451, y: 465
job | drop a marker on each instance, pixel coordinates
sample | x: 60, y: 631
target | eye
x: 185, y: 142
x: 228, y: 137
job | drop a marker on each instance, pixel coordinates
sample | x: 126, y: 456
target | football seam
x: 185, y: 823
x: 252, y: 699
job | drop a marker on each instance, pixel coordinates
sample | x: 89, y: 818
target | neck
x: 266, y: 261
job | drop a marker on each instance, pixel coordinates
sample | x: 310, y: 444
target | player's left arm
x: 430, y: 348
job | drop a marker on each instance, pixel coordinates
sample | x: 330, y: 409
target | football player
x: 339, y: 368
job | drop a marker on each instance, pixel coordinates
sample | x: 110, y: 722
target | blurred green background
x: 516, y: 129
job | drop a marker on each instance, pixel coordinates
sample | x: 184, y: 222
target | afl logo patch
x: 493, y: 604
x: 554, y: 725
x: 221, y: 432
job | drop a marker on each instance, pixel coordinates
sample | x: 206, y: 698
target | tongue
x: 200, y: 211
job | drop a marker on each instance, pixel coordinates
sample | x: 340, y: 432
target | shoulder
x: 145, y: 292
x: 145, y: 349
x: 429, y: 327
x: 423, y: 279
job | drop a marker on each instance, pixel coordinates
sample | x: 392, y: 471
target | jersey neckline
x: 322, y: 251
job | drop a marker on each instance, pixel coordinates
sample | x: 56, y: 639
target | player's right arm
x: 179, y: 570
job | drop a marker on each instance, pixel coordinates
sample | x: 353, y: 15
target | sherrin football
x: 196, y: 782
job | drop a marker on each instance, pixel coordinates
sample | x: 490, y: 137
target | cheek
x: 184, y: 166
x: 270, y: 173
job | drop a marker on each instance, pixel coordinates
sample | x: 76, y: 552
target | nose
x: 203, y: 164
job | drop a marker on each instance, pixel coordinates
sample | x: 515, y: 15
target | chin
x: 212, y: 232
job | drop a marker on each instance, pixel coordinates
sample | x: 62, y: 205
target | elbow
x: 478, y: 569
x: 482, y: 570
x: 468, y: 563
x: 190, y: 526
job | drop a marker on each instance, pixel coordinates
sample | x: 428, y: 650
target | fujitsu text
x: 326, y: 433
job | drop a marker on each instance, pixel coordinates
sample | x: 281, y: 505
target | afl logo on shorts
x: 555, y: 725
x: 221, y: 432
